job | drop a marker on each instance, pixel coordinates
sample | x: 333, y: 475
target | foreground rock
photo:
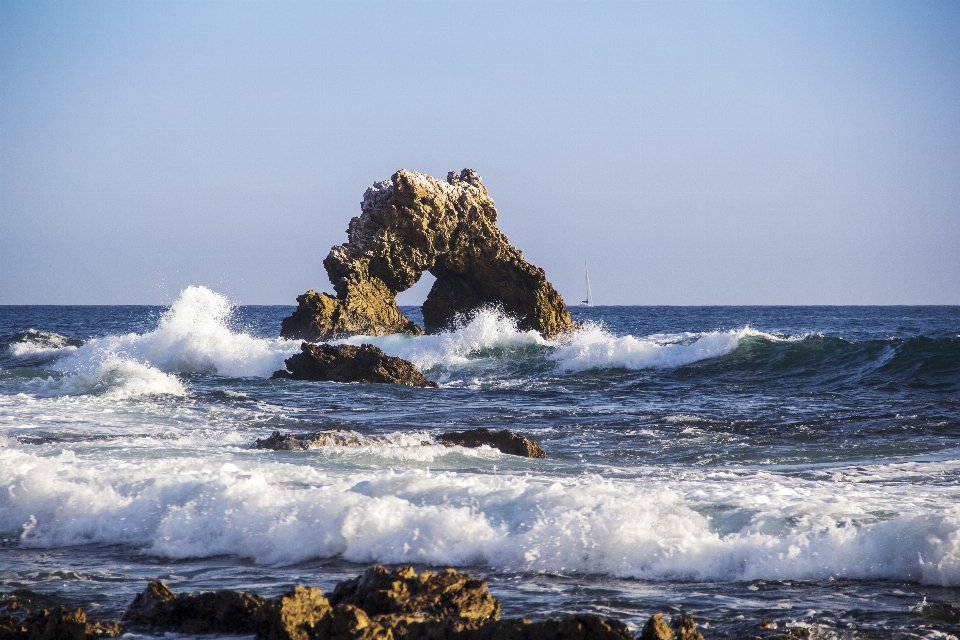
x: 302, y: 441
x: 680, y: 628
x: 415, y: 223
x: 212, y: 612
x: 348, y: 363
x: 506, y: 441
x: 378, y: 605
x: 21, y: 621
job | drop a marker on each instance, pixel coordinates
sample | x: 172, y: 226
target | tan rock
x: 415, y: 223
x: 291, y: 616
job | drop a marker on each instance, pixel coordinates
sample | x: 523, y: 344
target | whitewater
x: 735, y: 463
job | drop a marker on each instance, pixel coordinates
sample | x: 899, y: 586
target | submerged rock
x: 506, y: 441
x: 210, y: 612
x: 299, y: 442
x: 415, y: 223
x: 348, y: 363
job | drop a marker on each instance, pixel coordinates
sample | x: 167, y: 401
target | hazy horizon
x: 691, y: 153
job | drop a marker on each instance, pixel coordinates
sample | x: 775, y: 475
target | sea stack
x: 414, y: 223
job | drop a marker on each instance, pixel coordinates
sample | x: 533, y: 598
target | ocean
x: 736, y: 464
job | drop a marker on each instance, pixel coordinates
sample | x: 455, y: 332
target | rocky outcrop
x: 680, y: 628
x: 302, y: 441
x: 448, y: 594
x: 415, y: 223
x: 506, y: 441
x: 348, y: 363
x: 378, y: 605
x: 20, y: 621
x: 212, y: 612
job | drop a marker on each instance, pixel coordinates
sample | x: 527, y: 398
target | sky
x: 689, y: 153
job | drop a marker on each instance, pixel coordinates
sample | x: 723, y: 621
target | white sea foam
x: 490, y: 334
x: 696, y: 525
x: 593, y: 347
x: 192, y: 336
x: 487, y: 333
x: 33, y: 343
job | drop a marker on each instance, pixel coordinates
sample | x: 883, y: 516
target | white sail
x: 589, y: 301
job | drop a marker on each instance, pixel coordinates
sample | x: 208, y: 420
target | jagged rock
x: 299, y: 442
x: 348, y: 363
x: 292, y: 615
x: 506, y: 441
x: 211, y: 612
x: 680, y: 628
x: 415, y: 223
x: 448, y: 594
x: 576, y: 627
x: 26, y: 622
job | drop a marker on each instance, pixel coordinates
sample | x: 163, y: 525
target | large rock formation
x: 415, y: 223
x: 348, y: 363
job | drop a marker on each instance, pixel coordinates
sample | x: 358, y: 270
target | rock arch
x: 414, y: 223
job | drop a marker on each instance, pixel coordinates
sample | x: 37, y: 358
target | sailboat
x: 589, y: 301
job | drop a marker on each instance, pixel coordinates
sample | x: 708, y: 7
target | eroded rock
x: 302, y: 441
x: 210, y: 612
x: 291, y: 616
x: 680, y: 628
x: 21, y: 621
x: 349, y: 363
x: 415, y: 223
x: 506, y: 441
x: 448, y: 594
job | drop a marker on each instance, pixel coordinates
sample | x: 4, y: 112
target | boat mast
x: 586, y: 273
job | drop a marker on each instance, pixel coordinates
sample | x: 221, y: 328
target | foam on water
x: 36, y: 344
x: 490, y: 334
x: 192, y: 336
x: 690, y: 525
x: 486, y: 334
x: 593, y: 347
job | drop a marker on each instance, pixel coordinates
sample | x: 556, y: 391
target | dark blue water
x: 799, y: 464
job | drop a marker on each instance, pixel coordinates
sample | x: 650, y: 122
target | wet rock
x: 506, y: 441
x: 349, y: 363
x: 415, y: 223
x: 24, y: 620
x: 211, y: 612
x: 680, y: 628
x: 302, y: 441
x: 576, y: 627
x: 291, y: 616
x: 448, y: 594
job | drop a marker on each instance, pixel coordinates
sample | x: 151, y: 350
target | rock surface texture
x: 415, y: 223
x: 20, y: 620
x: 380, y: 604
x: 302, y: 441
x: 506, y: 441
x: 680, y: 628
x: 211, y: 612
x: 348, y: 363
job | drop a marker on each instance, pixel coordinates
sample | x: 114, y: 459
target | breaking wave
x: 764, y: 526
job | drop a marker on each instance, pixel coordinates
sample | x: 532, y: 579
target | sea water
x: 799, y: 464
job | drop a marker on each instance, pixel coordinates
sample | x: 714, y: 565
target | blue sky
x: 689, y: 152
